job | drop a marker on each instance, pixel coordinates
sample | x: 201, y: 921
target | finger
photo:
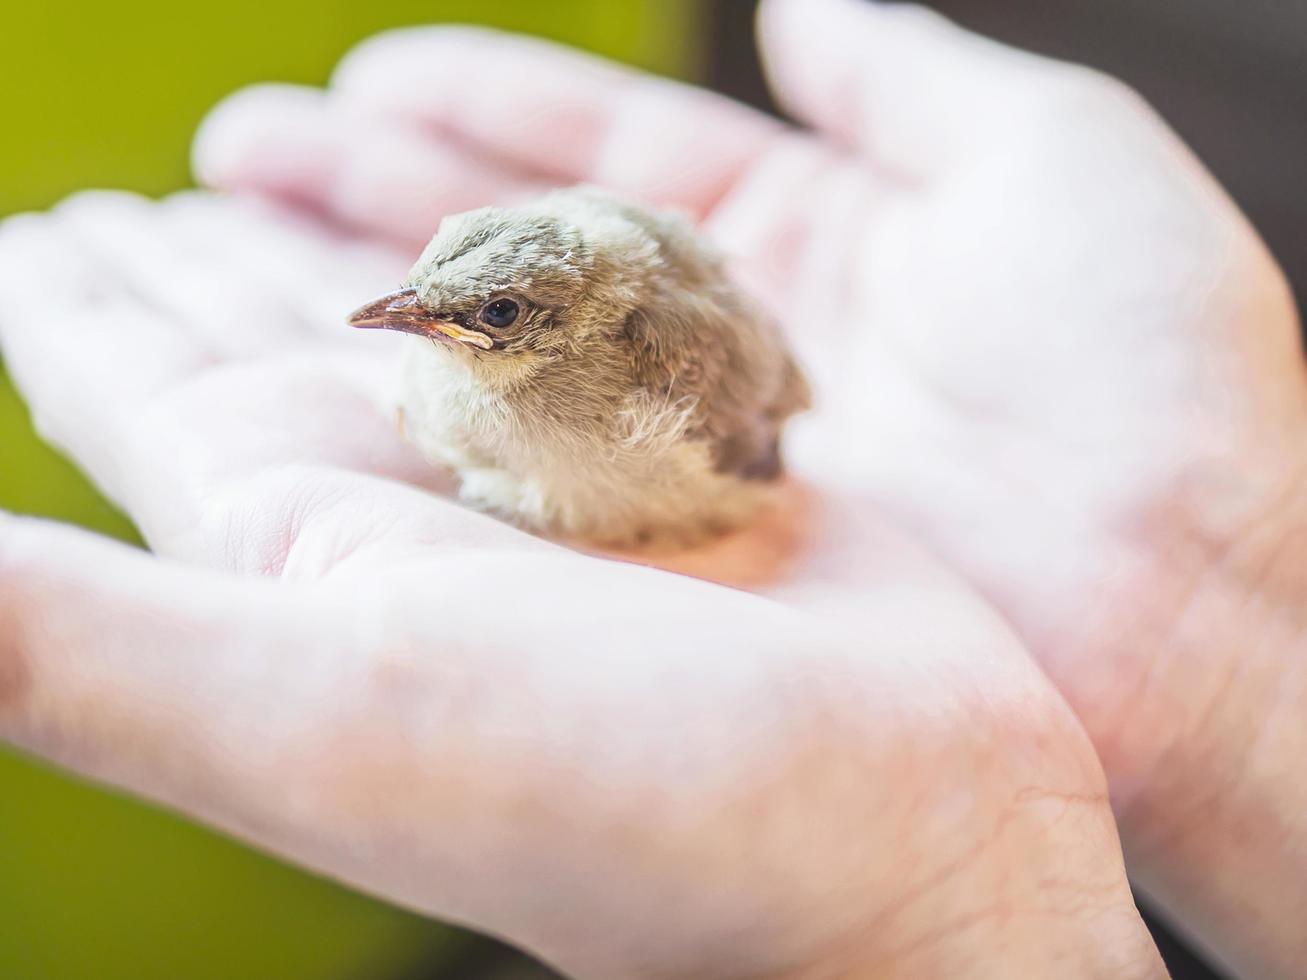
x: 298, y: 265
x: 897, y: 81
x: 431, y: 757
x: 210, y: 693
x: 92, y: 338
x: 80, y: 346
x: 55, y: 296
x: 561, y: 115
x: 166, y: 426
x: 787, y: 226
x: 248, y: 280
x: 285, y: 715
x: 248, y: 465
x: 362, y: 171
x: 166, y: 679
x: 182, y: 279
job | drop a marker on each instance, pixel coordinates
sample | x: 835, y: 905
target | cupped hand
x: 1041, y: 335
x: 630, y: 772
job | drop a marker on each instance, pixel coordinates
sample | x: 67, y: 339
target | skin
x: 1044, y: 343
x: 628, y: 772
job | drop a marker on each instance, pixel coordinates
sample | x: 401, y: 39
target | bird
x: 590, y: 371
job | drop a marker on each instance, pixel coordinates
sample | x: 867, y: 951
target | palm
x: 1093, y: 379
x: 464, y: 718
x: 419, y: 654
x: 987, y: 373
x: 1058, y: 386
x: 1041, y: 336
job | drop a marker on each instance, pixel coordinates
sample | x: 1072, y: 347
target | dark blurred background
x: 95, y: 887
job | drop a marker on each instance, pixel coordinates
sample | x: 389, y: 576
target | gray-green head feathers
x: 560, y: 269
x: 588, y: 368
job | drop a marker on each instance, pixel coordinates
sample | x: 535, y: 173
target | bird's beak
x: 401, y: 311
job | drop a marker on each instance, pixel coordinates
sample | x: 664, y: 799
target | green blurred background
x: 93, y: 885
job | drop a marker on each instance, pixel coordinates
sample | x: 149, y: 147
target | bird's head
x: 508, y: 289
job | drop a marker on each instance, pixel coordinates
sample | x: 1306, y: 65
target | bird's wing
x: 732, y: 366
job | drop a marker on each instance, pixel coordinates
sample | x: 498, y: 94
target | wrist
x: 1088, y: 935
x: 1044, y: 895
x: 1217, y: 832
x: 1234, y: 665
x: 1110, y: 942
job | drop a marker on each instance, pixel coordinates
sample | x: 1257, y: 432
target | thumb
x: 168, y: 681
x: 898, y: 82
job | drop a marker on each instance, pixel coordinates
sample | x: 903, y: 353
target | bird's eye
x: 501, y: 313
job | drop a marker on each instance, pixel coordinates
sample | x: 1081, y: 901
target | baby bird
x: 589, y: 371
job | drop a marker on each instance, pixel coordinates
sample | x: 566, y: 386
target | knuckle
x: 25, y: 224
x: 243, y: 120
x: 1088, y: 94
x: 915, y: 16
x: 263, y: 520
x: 378, y: 54
x: 102, y: 205
x: 48, y: 425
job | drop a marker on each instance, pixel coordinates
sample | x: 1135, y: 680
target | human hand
x: 1041, y: 336
x: 629, y: 772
